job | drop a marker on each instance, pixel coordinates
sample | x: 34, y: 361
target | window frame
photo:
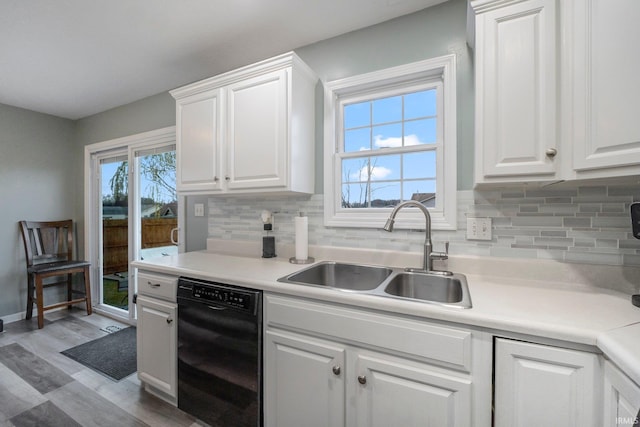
x: 438, y: 73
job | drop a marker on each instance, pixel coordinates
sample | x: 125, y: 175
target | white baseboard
x: 15, y: 317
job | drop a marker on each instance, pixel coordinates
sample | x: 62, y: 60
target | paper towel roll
x: 302, y: 237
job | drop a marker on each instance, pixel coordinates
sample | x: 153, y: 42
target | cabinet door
x: 393, y: 392
x: 606, y: 87
x: 516, y: 92
x: 157, y: 344
x: 304, y: 381
x: 198, y: 142
x: 621, y: 398
x: 537, y: 385
x: 257, y: 136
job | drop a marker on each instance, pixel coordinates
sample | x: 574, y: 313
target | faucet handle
x: 441, y: 255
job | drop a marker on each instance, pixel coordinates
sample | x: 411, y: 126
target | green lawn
x: 112, y: 296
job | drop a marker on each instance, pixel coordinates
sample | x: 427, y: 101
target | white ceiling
x: 75, y: 58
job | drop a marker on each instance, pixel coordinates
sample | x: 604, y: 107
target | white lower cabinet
x: 396, y: 392
x: 340, y: 366
x: 621, y: 398
x: 157, y: 363
x: 304, y: 381
x: 157, y: 334
x: 540, y: 385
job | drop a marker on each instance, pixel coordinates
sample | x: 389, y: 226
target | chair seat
x: 56, y: 266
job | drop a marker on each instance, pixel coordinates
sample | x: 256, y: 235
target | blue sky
x: 397, y: 121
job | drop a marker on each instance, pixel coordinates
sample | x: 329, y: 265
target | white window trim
x: 443, y: 217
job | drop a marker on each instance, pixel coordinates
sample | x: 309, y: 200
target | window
x: 390, y: 136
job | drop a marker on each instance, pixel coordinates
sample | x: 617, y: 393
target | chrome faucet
x: 429, y: 255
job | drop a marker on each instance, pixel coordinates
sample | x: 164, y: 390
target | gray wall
x: 37, y: 181
x: 432, y: 32
x: 155, y: 112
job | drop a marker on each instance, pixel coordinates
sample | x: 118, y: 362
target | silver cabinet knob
x: 551, y: 152
x: 336, y: 370
x: 169, y: 320
x: 227, y: 178
x: 362, y: 379
x: 216, y: 179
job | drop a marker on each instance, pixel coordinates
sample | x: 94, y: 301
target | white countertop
x: 575, y: 313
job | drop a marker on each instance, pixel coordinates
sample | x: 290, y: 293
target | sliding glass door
x: 114, y: 230
x: 156, y: 202
x: 133, y: 214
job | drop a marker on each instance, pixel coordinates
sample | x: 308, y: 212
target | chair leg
x: 39, y: 301
x: 87, y: 289
x: 30, y: 290
x: 69, y: 289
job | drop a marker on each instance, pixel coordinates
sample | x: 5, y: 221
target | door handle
x: 174, y: 231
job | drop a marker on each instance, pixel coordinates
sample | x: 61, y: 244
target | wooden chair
x: 48, y: 247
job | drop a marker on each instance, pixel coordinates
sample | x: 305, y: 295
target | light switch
x: 478, y: 228
x: 199, y: 209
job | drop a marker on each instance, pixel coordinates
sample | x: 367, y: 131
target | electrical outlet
x: 199, y: 209
x: 478, y: 228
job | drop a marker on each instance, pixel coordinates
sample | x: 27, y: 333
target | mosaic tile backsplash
x: 579, y: 225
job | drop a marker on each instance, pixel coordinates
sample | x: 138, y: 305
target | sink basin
x: 445, y: 290
x: 352, y: 277
x: 450, y: 291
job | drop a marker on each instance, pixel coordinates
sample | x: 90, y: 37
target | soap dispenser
x: 268, y: 241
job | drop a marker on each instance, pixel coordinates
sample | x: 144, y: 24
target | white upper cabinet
x: 515, y: 91
x: 556, y: 89
x: 603, y: 107
x: 198, y: 152
x: 251, y: 130
x: 256, y: 128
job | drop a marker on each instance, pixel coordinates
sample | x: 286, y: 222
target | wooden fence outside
x: 156, y: 232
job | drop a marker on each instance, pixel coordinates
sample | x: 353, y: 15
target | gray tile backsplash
x: 588, y: 224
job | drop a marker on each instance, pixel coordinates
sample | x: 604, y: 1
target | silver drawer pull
x: 153, y: 285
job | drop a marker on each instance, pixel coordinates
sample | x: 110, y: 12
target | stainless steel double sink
x: 450, y: 291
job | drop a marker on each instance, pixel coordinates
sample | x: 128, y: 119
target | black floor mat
x: 113, y: 355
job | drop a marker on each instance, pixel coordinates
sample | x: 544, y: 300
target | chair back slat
x: 47, y: 241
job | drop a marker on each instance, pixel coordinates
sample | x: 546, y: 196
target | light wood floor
x: 87, y: 398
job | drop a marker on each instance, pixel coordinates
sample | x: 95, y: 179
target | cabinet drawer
x: 157, y: 285
x: 448, y: 345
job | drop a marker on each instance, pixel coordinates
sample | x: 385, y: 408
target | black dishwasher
x: 220, y: 353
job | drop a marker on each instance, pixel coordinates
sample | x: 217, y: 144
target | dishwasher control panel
x: 224, y: 296
x: 220, y: 294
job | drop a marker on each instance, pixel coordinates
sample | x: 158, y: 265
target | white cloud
x: 393, y: 142
x: 377, y: 172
